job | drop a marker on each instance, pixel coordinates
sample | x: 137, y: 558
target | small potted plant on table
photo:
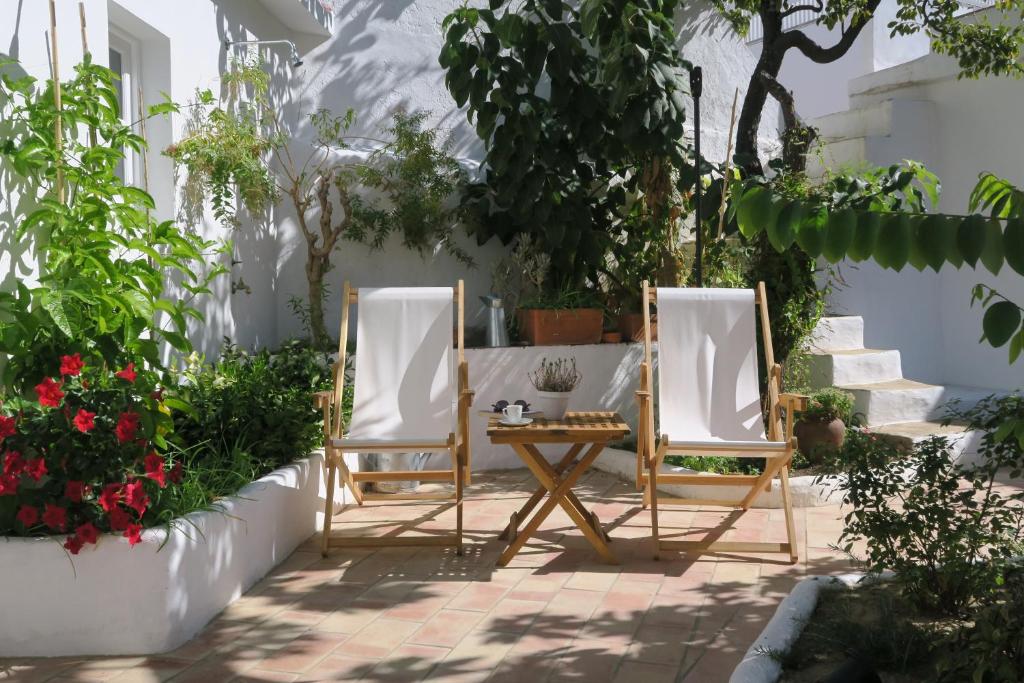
x: 823, y: 424
x: 554, y: 381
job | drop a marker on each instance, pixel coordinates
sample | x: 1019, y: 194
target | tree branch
x: 783, y: 97
x: 823, y: 55
x: 817, y: 7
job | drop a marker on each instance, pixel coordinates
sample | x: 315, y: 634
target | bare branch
x: 823, y: 55
x: 816, y: 7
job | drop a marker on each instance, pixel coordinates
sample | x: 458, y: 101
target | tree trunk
x: 316, y: 266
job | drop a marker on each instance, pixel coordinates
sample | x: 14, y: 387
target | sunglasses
x: 501, y: 405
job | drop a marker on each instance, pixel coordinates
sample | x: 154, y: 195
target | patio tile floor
x: 556, y: 613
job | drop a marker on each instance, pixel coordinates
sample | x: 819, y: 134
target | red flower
x: 176, y: 472
x: 155, y: 469
x: 14, y: 464
x: 55, y: 517
x: 49, y: 393
x: 74, y: 490
x: 73, y: 544
x: 71, y: 365
x: 119, y: 519
x: 110, y: 496
x: 87, y: 533
x: 135, y: 497
x: 127, y: 425
x: 8, y: 484
x: 128, y: 374
x: 6, y: 427
x: 85, y: 420
x: 28, y: 515
x: 133, y: 533
x: 35, y: 468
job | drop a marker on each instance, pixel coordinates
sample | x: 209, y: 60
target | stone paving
x: 554, y: 614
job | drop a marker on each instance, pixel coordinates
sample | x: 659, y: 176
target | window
x: 122, y: 62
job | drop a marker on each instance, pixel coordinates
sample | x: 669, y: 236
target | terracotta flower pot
x: 631, y: 325
x: 551, y: 327
x: 813, y: 437
x: 611, y: 337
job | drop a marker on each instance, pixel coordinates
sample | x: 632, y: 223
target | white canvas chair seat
x: 709, y: 403
x: 411, y: 395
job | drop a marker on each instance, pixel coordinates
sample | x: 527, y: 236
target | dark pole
x: 695, y: 88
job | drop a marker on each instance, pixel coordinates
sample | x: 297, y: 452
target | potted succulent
x: 566, y: 316
x: 823, y: 424
x: 554, y: 381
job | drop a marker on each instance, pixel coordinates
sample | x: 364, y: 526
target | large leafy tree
x: 579, y: 105
x: 981, y: 48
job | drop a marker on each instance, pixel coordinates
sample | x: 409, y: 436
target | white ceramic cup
x: 513, y: 413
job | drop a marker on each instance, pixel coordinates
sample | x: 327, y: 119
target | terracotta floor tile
x: 303, y: 652
x: 446, y: 628
x: 378, y: 639
x: 630, y: 672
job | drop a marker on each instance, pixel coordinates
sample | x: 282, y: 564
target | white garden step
x: 906, y: 435
x: 905, y: 400
x: 834, y: 367
x: 838, y: 333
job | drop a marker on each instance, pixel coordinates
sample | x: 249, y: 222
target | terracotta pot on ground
x: 611, y: 337
x: 631, y: 325
x: 814, y: 436
x: 552, y: 403
x: 551, y: 327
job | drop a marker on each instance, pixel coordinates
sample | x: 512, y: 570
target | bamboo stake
x: 85, y: 54
x: 145, y: 147
x: 57, y: 130
x: 728, y: 166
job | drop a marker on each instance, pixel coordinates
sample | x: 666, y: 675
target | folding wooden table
x: 579, y: 429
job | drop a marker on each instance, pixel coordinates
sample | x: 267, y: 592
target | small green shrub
x: 258, y: 403
x: 943, y: 528
x: 992, y: 648
x: 828, y: 404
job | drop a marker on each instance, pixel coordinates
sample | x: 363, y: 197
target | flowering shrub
x: 86, y: 456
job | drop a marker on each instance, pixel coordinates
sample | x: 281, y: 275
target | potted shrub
x: 554, y: 381
x: 823, y: 423
x: 565, y: 317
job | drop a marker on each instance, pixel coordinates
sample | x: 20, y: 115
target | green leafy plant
x: 828, y: 404
x: 950, y: 531
x: 104, y: 263
x: 257, y: 403
x: 576, y: 108
x: 558, y: 375
x: 225, y: 147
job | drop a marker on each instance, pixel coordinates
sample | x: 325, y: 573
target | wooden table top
x: 584, y: 426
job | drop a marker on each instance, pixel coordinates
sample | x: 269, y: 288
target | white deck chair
x: 411, y: 395
x: 709, y: 404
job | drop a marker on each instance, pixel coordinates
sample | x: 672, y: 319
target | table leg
x: 557, y: 489
x: 525, y: 511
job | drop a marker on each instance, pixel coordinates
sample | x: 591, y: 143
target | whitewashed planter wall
x: 113, y: 599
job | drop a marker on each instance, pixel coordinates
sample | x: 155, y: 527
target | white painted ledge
x: 785, y: 627
x: 113, y: 599
x: 805, y: 491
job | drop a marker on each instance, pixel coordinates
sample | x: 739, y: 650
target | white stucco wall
x: 959, y: 128
x: 381, y: 56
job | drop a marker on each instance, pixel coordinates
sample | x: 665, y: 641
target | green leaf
x: 1016, y: 346
x: 917, y: 258
x: 1013, y: 244
x: 1001, y: 321
x: 970, y: 238
x: 863, y: 244
x: 53, y: 303
x: 782, y: 231
x: 933, y: 237
x: 753, y: 211
x: 892, y: 245
x: 842, y: 228
x: 992, y: 254
x: 811, y: 235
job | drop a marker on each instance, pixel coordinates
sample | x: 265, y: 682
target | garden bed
x: 115, y: 599
x: 810, y: 490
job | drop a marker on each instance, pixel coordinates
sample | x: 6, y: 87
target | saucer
x: 518, y: 423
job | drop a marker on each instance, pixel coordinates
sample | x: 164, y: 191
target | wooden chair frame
x: 652, y: 449
x: 335, y: 446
